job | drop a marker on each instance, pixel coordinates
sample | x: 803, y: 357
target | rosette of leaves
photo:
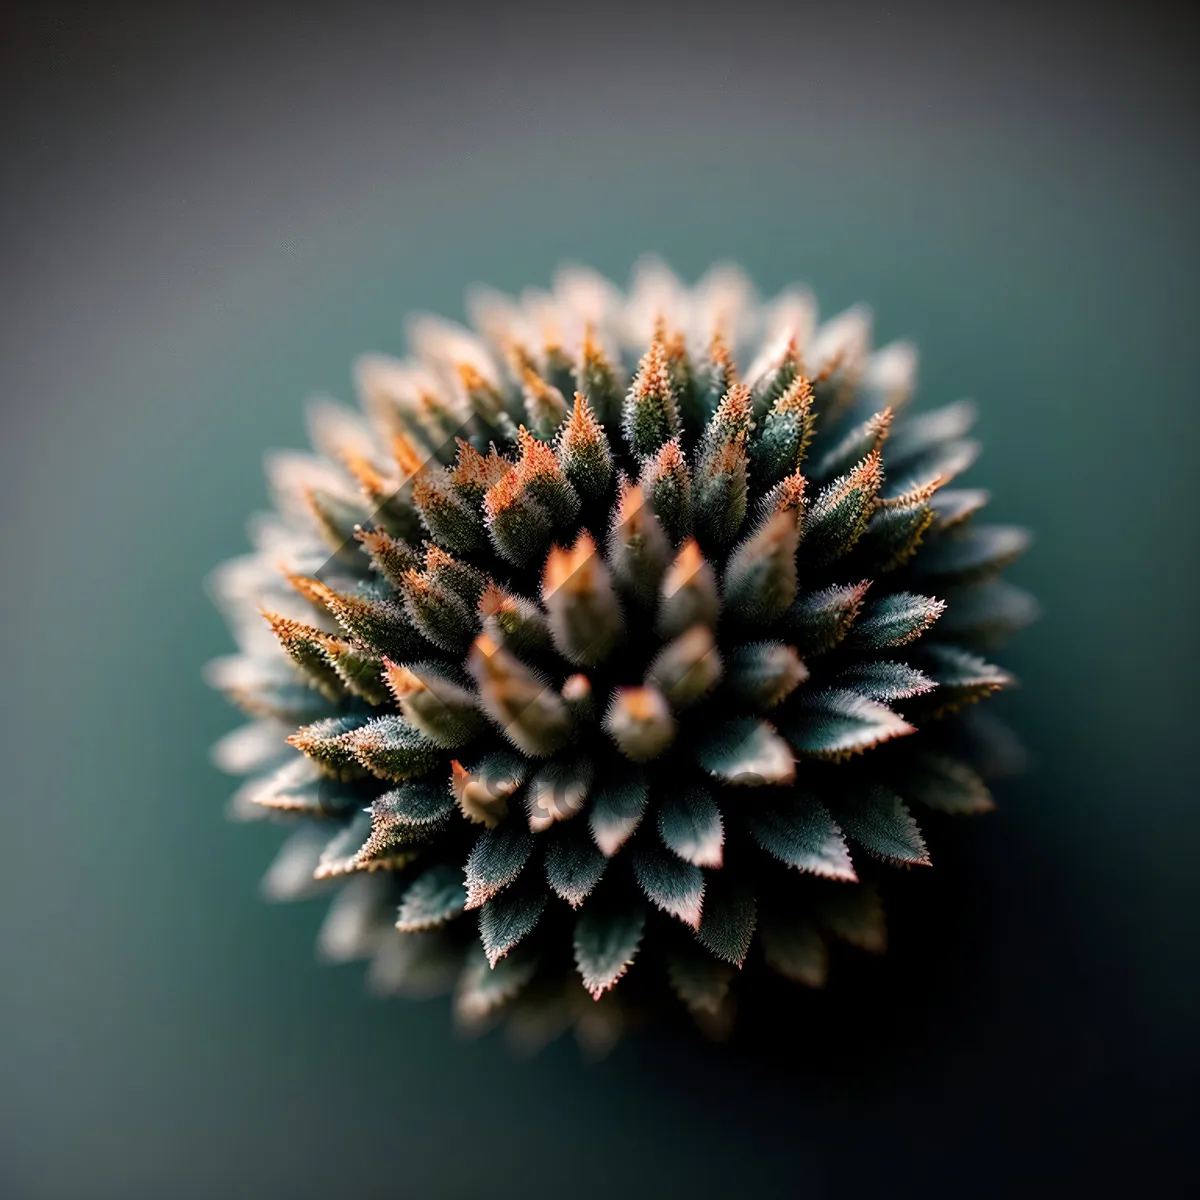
x: 617, y: 644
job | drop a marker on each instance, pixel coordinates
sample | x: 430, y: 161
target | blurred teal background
x: 207, y: 216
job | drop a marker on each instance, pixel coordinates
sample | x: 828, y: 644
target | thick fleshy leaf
x: 433, y: 699
x: 617, y: 804
x: 299, y: 787
x: 484, y: 988
x: 877, y: 819
x: 885, y: 681
x: 836, y: 723
x: 894, y: 620
x: 340, y: 855
x: 357, y: 921
x: 607, y: 936
x: 675, y: 886
x: 508, y: 918
x: 436, y: 896
x: 690, y: 824
x: 402, y: 819
x: 416, y: 965
x: 835, y: 520
x: 854, y: 914
x: 760, y: 578
x: 764, y: 674
x: 574, y: 863
x: 687, y: 669
x: 987, y: 613
x: 390, y: 748
x: 496, y: 859
x: 747, y: 752
x: 327, y: 744
x: 855, y: 445
x: 819, y: 621
x: 918, y: 436
x: 953, y: 506
x: 557, y: 791
x: 794, y: 949
x: 895, y: 531
x: 978, y: 552
x: 798, y: 830
x: 944, y: 783
x: 962, y: 678
x: 727, y: 926
x: 699, y: 980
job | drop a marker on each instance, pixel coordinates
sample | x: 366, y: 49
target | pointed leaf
x: 483, y: 988
x: 574, y: 864
x: 436, y: 896
x: 607, y: 937
x: 798, y: 830
x: 944, y: 783
x: 727, y: 927
x: 836, y: 723
x: 878, y: 820
x: 978, y: 552
x: 699, y: 980
x: 794, y: 949
x: 617, y: 804
x: 506, y: 919
x: 747, y: 752
x: 496, y: 860
x: 885, y: 681
x: 690, y: 824
x: 894, y: 620
x: 674, y: 886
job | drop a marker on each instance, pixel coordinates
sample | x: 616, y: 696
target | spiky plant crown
x: 586, y: 652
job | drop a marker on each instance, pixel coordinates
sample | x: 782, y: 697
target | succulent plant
x: 588, y: 662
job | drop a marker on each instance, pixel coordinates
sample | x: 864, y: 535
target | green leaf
x: 944, y: 783
x: 895, y: 620
x: 432, y: 699
x: 340, y: 855
x: 607, y: 936
x: 436, y: 896
x: 650, y: 413
x: 727, y: 926
x: 327, y: 743
x: 978, y: 552
x: 836, y: 519
x: 574, y: 864
x: 798, y: 830
x: 690, y: 824
x: 918, y: 436
x: 496, y: 859
x: 836, y: 723
x: 819, y: 621
x: 671, y: 884
x: 763, y: 674
x: 638, y: 550
x: 699, y: 980
x: 297, y: 786
x: 962, y: 678
x: 585, y: 615
x: 686, y: 669
x: 853, y: 447
x: 854, y: 914
x: 618, y: 802
x: 895, y: 531
x: 760, y: 578
x: 484, y: 987
x: 885, y: 681
x: 987, y: 613
x: 794, y: 949
x: 786, y: 432
x: 877, y: 819
x: 747, y: 752
x: 953, y: 506
x: 506, y: 919
x: 390, y: 748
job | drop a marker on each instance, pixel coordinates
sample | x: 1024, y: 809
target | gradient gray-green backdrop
x: 207, y: 215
